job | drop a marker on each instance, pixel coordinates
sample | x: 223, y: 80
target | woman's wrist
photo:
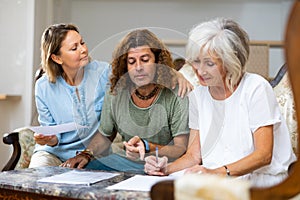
x: 53, y: 142
x: 227, y: 170
x: 86, y: 153
x: 224, y: 171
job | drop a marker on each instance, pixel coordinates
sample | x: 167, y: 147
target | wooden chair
x: 13, y: 139
x: 23, y: 146
x: 291, y: 186
x: 285, y: 98
x: 278, y: 77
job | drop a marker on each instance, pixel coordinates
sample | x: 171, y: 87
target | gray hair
x: 225, y: 39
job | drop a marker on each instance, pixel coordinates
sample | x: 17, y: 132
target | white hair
x: 225, y: 39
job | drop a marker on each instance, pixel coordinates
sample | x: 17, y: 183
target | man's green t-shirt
x: 159, y: 123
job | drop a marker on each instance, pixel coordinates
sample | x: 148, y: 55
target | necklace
x: 149, y: 96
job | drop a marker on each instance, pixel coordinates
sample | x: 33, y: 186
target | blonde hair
x: 51, y: 41
x: 225, y: 39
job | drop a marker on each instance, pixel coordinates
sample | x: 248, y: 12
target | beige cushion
x: 285, y: 99
x: 27, y: 146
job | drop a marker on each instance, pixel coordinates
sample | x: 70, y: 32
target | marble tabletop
x: 26, y: 180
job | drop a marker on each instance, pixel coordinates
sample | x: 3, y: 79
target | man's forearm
x: 99, y: 144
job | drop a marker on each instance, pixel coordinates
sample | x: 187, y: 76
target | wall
x: 22, y: 22
x: 17, y: 17
x: 102, y: 22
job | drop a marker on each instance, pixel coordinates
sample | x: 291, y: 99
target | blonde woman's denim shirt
x: 58, y: 103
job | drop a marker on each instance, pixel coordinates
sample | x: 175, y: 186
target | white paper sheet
x: 178, y: 174
x: 141, y: 182
x: 144, y: 182
x: 53, y: 130
x: 78, y: 177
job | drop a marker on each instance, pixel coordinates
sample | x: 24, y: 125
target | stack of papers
x: 78, y: 177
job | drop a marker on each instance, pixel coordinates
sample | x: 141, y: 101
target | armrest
x: 291, y: 168
x: 12, y: 138
x: 279, y: 75
x: 163, y: 190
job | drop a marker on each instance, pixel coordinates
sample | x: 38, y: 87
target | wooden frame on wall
x: 270, y: 43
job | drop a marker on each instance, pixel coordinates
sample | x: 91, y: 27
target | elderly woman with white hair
x: 236, y: 128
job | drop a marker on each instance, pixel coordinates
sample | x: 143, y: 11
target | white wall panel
x: 16, y: 39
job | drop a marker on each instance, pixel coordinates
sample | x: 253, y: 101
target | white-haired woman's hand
x: 157, y: 167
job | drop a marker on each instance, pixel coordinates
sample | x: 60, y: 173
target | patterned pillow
x: 285, y: 99
x: 27, y: 146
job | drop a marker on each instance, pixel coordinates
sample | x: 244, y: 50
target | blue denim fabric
x: 115, y: 162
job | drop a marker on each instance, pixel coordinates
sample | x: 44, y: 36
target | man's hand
x: 135, y: 148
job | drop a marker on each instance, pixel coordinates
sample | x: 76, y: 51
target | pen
x: 156, y: 154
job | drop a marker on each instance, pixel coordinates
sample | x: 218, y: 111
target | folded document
x: 53, y: 130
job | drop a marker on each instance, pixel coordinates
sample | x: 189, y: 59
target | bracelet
x: 87, y: 153
x: 146, y: 145
x: 227, y: 170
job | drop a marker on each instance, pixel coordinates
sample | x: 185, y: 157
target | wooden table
x: 22, y: 184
